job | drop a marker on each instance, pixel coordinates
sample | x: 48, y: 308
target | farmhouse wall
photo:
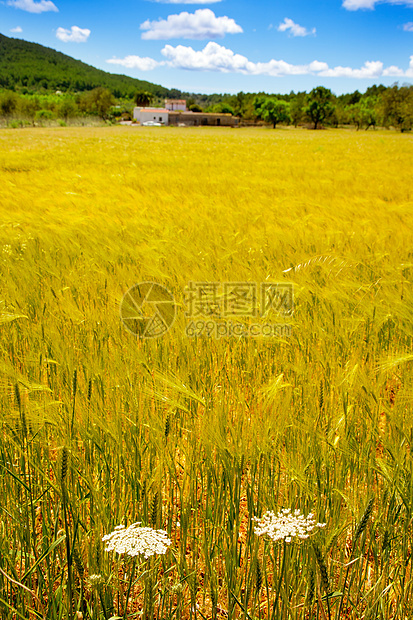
x: 159, y: 115
x: 197, y: 119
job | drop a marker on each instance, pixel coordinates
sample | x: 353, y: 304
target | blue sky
x: 228, y: 45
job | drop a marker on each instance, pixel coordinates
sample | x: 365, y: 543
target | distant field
x: 198, y: 434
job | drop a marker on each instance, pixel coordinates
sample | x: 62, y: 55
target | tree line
x: 378, y: 106
x: 18, y: 109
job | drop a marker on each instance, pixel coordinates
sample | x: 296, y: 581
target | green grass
x: 199, y: 435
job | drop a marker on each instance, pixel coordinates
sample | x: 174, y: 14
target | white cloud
x: 316, y: 66
x: 295, y: 29
x: 408, y: 27
x: 203, y: 24
x: 34, y: 7
x: 354, y: 5
x: 74, y: 35
x: 136, y: 62
x: 17, y: 29
x: 215, y: 57
x: 393, y: 71
x: 369, y: 70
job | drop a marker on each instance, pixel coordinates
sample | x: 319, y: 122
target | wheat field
x: 199, y: 435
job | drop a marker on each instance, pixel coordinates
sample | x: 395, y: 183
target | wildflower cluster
x: 286, y: 525
x: 135, y: 540
x: 96, y: 580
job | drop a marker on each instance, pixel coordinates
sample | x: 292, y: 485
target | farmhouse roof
x: 155, y: 110
x: 198, y: 114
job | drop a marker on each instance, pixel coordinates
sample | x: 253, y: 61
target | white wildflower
x: 96, y: 580
x: 286, y: 525
x: 135, y: 540
x: 177, y: 588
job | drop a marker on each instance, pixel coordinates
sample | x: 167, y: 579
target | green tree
x: 258, y: 103
x: 350, y: 98
x: 43, y: 115
x: 397, y: 107
x: 297, y: 105
x: 225, y: 108
x: 143, y: 98
x: 238, y: 102
x: 28, y: 107
x: 275, y: 111
x: 97, y: 101
x: 368, y: 112
x: 67, y: 109
x: 319, y: 105
x: 248, y: 110
x: 220, y: 108
x: 352, y: 115
x: 8, y: 104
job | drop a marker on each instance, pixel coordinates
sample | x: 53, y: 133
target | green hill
x: 30, y: 67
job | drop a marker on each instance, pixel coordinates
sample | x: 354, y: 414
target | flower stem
x: 129, y: 588
x: 279, y: 581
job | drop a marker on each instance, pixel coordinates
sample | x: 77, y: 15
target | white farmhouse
x: 175, y: 105
x: 157, y: 115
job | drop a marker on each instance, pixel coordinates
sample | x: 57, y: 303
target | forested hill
x: 31, y: 67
